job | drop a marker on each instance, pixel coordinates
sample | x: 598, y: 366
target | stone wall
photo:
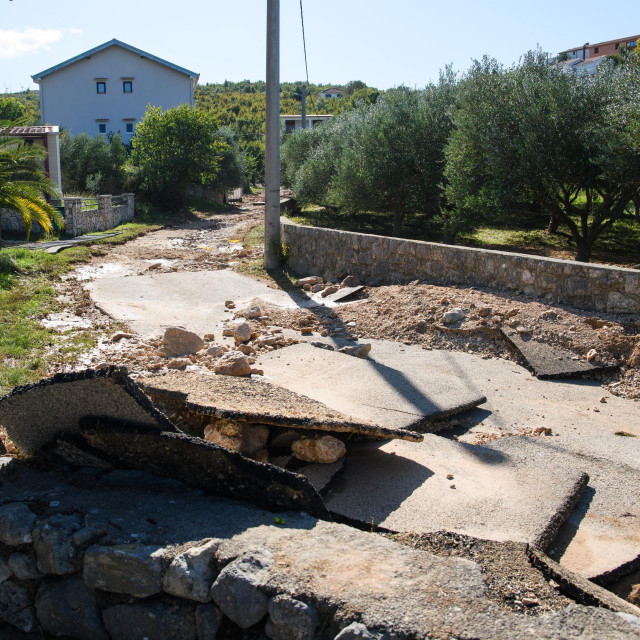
x: 78, y: 221
x: 107, y: 216
x: 383, y: 260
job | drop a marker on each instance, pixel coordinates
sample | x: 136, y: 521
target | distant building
x: 332, y: 92
x: 47, y: 137
x: 291, y: 123
x: 610, y: 47
x: 107, y: 89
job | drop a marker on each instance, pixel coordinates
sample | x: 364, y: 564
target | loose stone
x: 55, y: 550
x: 232, y: 363
x: 356, y: 631
x: 242, y: 332
x: 180, y: 342
x: 358, y: 350
x: 453, y: 316
x: 324, y: 450
x: 24, y: 566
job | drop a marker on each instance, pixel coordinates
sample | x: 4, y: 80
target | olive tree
x: 563, y: 141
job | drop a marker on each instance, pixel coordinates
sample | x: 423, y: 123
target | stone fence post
x: 72, y: 212
x: 129, y: 199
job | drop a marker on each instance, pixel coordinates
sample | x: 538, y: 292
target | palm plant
x: 23, y: 184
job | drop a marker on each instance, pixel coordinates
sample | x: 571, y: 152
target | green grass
x: 27, y: 295
x: 618, y: 245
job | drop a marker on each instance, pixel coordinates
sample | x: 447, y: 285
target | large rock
x: 356, y: 631
x: 133, y: 569
x: 237, y: 436
x: 16, y: 606
x: 232, y: 363
x: 192, y: 573
x: 54, y: 547
x: 180, y: 342
x: 68, y: 608
x: 453, y: 316
x: 236, y: 591
x: 16, y: 524
x: 241, y: 332
x: 150, y: 621
x: 325, y: 449
x: 291, y: 619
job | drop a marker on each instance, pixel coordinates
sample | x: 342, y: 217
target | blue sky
x: 383, y: 43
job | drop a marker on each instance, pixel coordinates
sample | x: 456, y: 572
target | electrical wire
x: 304, y: 43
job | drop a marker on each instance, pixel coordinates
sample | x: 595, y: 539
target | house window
x: 128, y: 127
x: 617, y: 45
x: 102, y: 127
x: 127, y: 86
x: 101, y: 87
x: 596, y: 49
x: 289, y: 126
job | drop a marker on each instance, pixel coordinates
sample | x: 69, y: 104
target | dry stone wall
x: 107, y: 216
x: 383, y: 260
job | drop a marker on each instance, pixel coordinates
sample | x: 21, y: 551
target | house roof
x: 601, y: 44
x: 332, y: 89
x: 106, y: 45
x: 30, y: 131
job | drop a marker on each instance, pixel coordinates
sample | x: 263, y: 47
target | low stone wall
x: 78, y: 221
x: 107, y: 216
x: 383, y: 260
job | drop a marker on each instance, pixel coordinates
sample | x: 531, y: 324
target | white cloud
x: 75, y: 31
x: 17, y: 42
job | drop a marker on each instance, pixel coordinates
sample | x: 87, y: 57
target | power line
x: 304, y: 44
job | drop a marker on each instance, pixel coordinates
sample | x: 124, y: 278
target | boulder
x: 215, y: 351
x: 192, y: 573
x: 309, y: 280
x: 329, y: 290
x: 241, y: 332
x: 250, y: 313
x: 237, y: 436
x: 232, y: 363
x: 180, y: 342
x: 325, y: 449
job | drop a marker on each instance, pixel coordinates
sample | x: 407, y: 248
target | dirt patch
x: 511, y: 581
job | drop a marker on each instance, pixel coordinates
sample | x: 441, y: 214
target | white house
x: 293, y: 122
x: 107, y: 89
x: 332, y: 92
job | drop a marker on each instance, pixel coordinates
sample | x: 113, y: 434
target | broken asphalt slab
x: 108, y: 412
x: 548, y: 362
x: 394, y: 387
x: 345, y: 574
x: 601, y: 537
x: 443, y: 485
x: 193, y: 300
x: 344, y: 294
x: 33, y: 415
x: 257, y: 401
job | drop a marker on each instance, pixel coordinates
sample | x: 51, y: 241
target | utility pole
x: 304, y: 107
x: 272, y: 245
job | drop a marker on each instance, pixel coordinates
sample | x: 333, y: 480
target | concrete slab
x: 35, y: 414
x: 548, y: 362
x: 250, y: 400
x: 194, y: 300
x: 344, y: 294
x: 322, y: 476
x: 441, y: 484
x: 394, y: 387
x: 601, y: 537
x: 201, y: 464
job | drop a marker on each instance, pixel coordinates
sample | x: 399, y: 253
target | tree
x: 92, y: 165
x: 23, y: 184
x: 175, y: 148
x: 386, y: 157
x: 563, y: 141
x: 11, y: 111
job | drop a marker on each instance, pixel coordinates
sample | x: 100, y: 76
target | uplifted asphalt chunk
x: 202, y: 464
x: 35, y: 414
x: 257, y: 401
x: 397, y: 386
x: 443, y: 485
x: 548, y: 362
